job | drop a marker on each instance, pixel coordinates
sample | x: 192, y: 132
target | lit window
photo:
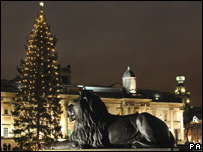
x: 5, y: 132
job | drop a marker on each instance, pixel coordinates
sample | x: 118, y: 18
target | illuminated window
x: 5, y: 132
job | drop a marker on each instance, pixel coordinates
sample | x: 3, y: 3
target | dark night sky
x: 158, y: 40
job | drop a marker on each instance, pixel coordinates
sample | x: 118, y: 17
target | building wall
x: 195, y: 132
x: 170, y: 113
x: 7, y: 119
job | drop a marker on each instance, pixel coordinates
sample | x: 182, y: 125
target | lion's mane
x: 90, y: 124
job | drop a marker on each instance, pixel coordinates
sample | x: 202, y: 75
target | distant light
x: 188, y: 100
x: 61, y: 139
x: 80, y: 86
x: 180, y: 79
x: 195, y: 119
x: 182, y: 90
x: 41, y: 4
x: 157, y: 96
x: 160, y: 116
x: 189, y: 138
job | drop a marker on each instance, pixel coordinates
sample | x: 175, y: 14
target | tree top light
x: 41, y: 4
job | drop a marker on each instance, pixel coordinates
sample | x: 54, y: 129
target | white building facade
x: 160, y: 104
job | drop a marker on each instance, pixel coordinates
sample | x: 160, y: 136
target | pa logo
x: 196, y: 146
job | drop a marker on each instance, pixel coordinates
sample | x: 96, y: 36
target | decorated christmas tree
x: 37, y: 109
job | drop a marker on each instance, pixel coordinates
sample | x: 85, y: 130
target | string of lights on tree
x: 37, y: 108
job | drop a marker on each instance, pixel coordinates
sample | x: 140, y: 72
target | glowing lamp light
x: 195, y: 119
x: 188, y: 100
x: 160, y: 116
x: 189, y: 138
x: 41, y: 4
x: 62, y: 139
x: 182, y: 90
x: 180, y: 79
x: 157, y: 97
x: 176, y: 91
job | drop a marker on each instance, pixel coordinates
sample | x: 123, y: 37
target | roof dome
x: 128, y: 73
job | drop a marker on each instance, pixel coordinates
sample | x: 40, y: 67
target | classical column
x: 171, y: 126
x: 132, y: 110
x: 65, y: 120
x: 2, y: 111
x: 181, y: 126
x: 168, y: 115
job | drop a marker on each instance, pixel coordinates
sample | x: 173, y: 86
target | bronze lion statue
x: 95, y: 127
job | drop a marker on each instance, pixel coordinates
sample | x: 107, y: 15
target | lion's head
x: 90, y: 114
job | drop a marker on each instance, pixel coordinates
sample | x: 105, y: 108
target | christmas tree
x: 37, y: 109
